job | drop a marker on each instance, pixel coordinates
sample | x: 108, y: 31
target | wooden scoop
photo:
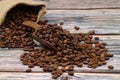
x: 36, y: 27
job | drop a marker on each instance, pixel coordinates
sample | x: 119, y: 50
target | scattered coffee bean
x: 110, y: 67
x: 28, y: 70
x: 64, y: 69
x: 71, y: 73
x: 109, y: 55
x: 91, y: 32
x: 54, y: 76
x: 79, y: 65
x: 96, y: 38
x: 77, y: 28
x: 61, y: 22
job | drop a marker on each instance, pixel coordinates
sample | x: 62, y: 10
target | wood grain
x: 9, y: 58
x: 103, y: 16
x: 47, y: 76
x: 101, y: 21
x: 81, y: 4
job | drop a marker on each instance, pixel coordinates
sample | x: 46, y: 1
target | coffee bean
x: 96, y: 38
x: 102, y: 57
x: 53, y: 72
x: 76, y: 28
x: 110, y: 67
x: 70, y: 68
x: 60, y: 71
x: 91, y: 32
x: 59, y: 54
x: 28, y: 70
x: 71, y: 73
x: 46, y: 21
x: 54, y: 76
x: 30, y: 65
x: 109, y: 55
x: 79, y: 65
x: 100, y: 63
x: 63, y: 69
x: 106, y: 58
x: 61, y: 22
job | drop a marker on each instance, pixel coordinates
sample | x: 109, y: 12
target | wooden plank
x: 113, y: 43
x: 47, y: 76
x: 10, y: 62
x: 9, y: 58
x: 101, y: 21
x: 82, y: 4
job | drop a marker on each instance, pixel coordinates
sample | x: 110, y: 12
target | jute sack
x: 7, y: 5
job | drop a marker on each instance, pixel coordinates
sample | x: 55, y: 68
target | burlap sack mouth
x: 7, y: 5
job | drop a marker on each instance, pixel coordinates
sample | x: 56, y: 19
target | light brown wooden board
x: 47, y: 76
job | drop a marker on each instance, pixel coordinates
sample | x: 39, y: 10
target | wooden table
x: 103, y: 16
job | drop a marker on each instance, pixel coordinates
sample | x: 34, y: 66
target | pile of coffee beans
x: 12, y: 33
x: 72, y: 49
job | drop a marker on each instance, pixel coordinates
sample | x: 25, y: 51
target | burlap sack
x: 6, y: 5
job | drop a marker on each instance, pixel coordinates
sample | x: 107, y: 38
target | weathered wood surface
x: 12, y: 63
x: 101, y: 21
x: 103, y: 16
x: 82, y: 4
x: 9, y: 58
x: 47, y: 76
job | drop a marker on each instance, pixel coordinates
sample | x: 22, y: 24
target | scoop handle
x: 32, y: 25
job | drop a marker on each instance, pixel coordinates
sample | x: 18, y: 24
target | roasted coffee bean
x: 104, y: 62
x: 25, y: 62
x: 28, y: 70
x: 63, y: 69
x: 96, y: 38
x: 110, y: 67
x: 30, y: 65
x: 94, y: 65
x: 53, y: 72
x: 100, y: 63
x: 106, y: 58
x: 59, y: 54
x: 109, y: 55
x: 103, y: 43
x: 71, y: 73
x: 64, y: 65
x: 61, y: 22
x: 76, y: 28
x: 60, y: 71
x: 79, y: 65
x: 46, y: 21
x: 102, y: 57
x: 71, y: 68
x: 54, y: 76
x: 91, y: 32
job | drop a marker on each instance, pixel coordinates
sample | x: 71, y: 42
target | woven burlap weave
x: 6, y: 5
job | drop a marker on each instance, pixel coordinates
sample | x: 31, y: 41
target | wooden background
x: 103, y: 16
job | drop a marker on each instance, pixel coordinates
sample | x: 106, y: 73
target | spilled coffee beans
x: 73, y: 49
